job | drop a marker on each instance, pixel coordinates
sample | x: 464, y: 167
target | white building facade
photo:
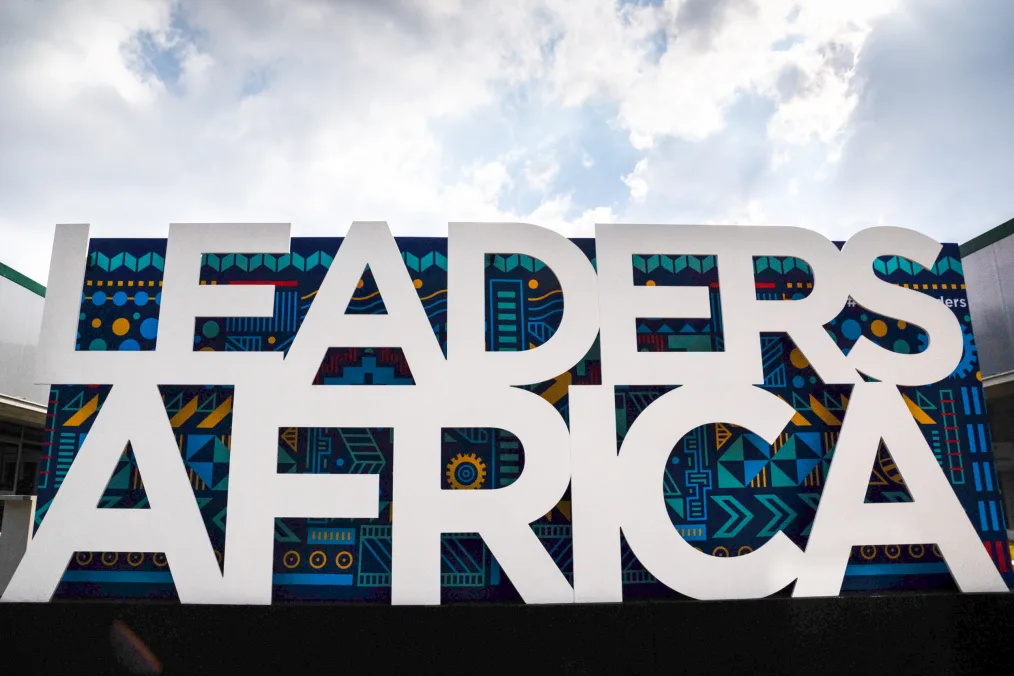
x: 22, y: 403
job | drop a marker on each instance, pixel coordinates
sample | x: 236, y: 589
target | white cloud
x: 716, y: 50
x: 635, y: 180
x: 341, y: 132
x: 130, y: 114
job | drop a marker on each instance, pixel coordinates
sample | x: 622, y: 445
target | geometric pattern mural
x: 726, y: 489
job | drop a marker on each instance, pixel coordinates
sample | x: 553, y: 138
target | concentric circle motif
x: 159, y: 560
x: 868, y: 551
x: 291, y: 559
x: 466, y: 472
x: 110, y: 558
x: 343, y: 560
x: 83, y: 558
x: 135, y: 559
x: 318, y: 559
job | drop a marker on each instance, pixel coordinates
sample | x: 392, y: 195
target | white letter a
x: 75, y: 523
x: 877, y: 411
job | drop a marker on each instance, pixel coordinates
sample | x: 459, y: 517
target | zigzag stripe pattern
x: 646, y: 264
x: 674, y: 264
x: 126, y: 260
x: 888, y: 266
x: 780, y: 265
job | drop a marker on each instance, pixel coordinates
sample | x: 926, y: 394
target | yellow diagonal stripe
x: 216, y: 416
x: 558, y: 388
x: 799, y: 420
x: 823, y: 413
x: 184, y: 413
x: 83, y: 413
x: 918, y: 413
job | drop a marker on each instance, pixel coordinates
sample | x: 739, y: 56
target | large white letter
x: 258, y: 494
x: 173, y: 362
x: 184, y: 299
x: 943, y: 353
x: 55, y: 358
x: 744, y: 317
x: 422, y: 510
x: 405, y: 325
x: 621, y: 304
x: 172, y: 524
x: 876, y: 411
x: 467, y: 245
x: 611, y: 492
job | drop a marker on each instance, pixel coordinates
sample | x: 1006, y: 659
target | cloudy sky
x: 831, y: 114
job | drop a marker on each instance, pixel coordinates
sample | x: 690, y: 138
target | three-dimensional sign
x: 721, y: 412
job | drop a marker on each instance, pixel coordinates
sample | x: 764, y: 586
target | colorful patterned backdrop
x: 727, y: 490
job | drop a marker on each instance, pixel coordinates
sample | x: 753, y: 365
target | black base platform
x: 895, y: 634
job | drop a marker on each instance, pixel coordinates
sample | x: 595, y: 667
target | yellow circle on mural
x: 96, y: 323
x: 798, y: 359
x: 650, y: 282
x: 359, y: 284
x: 902, y: 324
x: 978, y: 376
x: 533, y: 283
x: 417, y: 283
x: 879, y: 328
x: 271, y: 340
x: 121, y: 326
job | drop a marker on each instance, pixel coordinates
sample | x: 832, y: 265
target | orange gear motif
x: 465, y: 472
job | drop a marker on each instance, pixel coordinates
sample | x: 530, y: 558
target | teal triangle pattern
x: 221, y: 451
x: 677, y: 505
x: 726, y: 479
x: 76, y: 403
x: 746, y: 457
x: 924, y: 403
